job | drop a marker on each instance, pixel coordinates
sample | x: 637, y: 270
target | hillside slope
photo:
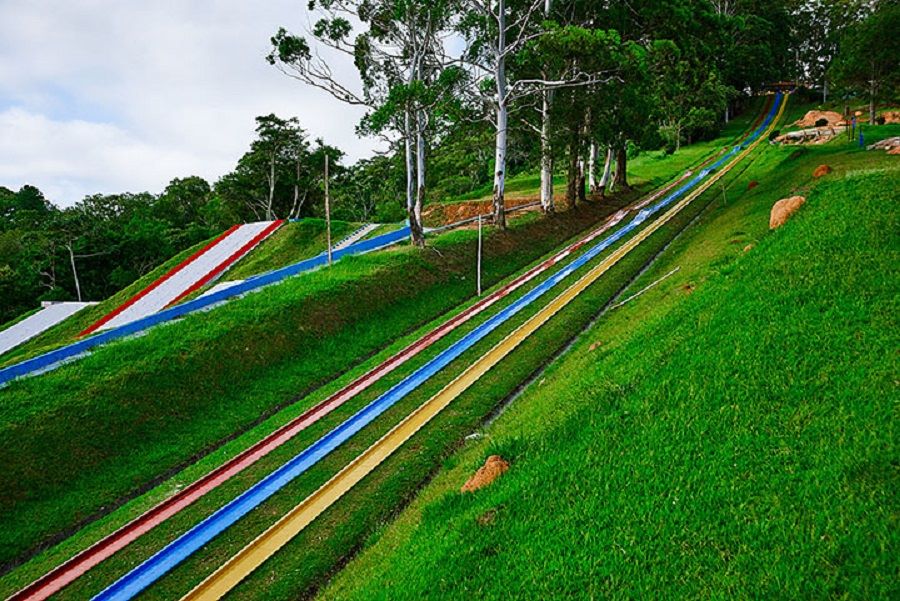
x: 730, y: 433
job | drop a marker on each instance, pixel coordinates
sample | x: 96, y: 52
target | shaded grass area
x: 68, y: 330
x: 77, y: 440
x: 730, y: 433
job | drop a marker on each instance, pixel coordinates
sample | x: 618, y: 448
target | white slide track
x: 38, y: 323
x: 357, y: 235
x: 192, y: 274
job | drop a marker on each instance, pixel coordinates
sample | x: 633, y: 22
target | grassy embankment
x: 730, y: 433
x: 79, y: 438
x: 446, y: 279
x: 315, y: 553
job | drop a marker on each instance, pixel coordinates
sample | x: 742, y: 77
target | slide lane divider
x: 159, y: 281
x: 53, y: 358
x: 185, y: 545
x: 285, y: 529
x: 70, y: 570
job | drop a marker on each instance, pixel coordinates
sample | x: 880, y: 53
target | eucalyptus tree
x: 398, y: 49
x: 499, y: 33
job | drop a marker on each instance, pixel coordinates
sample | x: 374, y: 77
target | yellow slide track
x: 279, y: 534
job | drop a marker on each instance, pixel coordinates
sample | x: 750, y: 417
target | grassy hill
x: 211, y: 384
x: 730, y: 433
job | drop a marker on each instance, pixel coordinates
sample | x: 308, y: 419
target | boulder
x: 783, y: 209
x: 813, y: 118
x: 821, y: 170
x: 492, y: 469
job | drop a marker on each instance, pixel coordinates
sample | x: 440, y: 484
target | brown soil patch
x: 811, y: 117
x: 821, y: 170
x: 748, y: 247
x: 752, y: 184
x: 891, y: 116
x: 492, y: 469
x: 688, y: 288
x: 487, y: 518
x: 783, y: 209
x: 895, y: 150
x: 594, y: 346
x: 438, y: 214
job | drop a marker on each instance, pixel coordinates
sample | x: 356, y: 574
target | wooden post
x: 479, y: 256
x: 327, y: 212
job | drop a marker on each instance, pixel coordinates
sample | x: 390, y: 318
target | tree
x: 399, y: 55
x: 867, y: 59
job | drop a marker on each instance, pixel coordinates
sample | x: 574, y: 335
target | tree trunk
x: 410, y: 172
x: 592, y: 168
x: 415, y: 221
x: 824, y: 90
x: 621, y: 165
x: 546, y: 156
x: 581, y: 182
x: 872, y: 100
x: 607, y: 167
x: 502, y: 118
x: 572, y: 177
x: 271, y: 198
x: 74, y: 272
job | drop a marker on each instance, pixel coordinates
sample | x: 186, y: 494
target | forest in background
x: 560, y: 87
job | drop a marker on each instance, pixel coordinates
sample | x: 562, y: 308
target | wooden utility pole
x: 327, y: 212
x: 479, y: 256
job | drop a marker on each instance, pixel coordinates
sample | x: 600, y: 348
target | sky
x: 108, y: 96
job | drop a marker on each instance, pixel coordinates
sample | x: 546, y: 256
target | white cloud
x: 111, y: 96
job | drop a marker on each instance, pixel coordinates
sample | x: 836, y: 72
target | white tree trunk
x: 546, y: 157
x: 415, y: 221
x: 546, y: 151
x: 607, y: 167
x: 502, y: 119
x: 410, y: 168
x: 592, y: 168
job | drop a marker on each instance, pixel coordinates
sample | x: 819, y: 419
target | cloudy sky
x: 124, y: 95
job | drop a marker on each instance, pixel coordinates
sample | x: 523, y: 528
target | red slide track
x: 73, y: 568
x: 230, y: 260
x: 156, y: 283
x: 56, y: 579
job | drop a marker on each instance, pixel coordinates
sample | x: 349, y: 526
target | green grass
x: 339, y: 534
x: 293, y: 242
x: 78, y: 439
x: 731, y: 433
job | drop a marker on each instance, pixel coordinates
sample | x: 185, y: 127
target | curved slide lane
x: 185, y: 545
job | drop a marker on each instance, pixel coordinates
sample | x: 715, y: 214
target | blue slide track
x: 69, y: 352
x: 185, y: 545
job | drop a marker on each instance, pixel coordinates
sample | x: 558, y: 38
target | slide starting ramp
x: 43, y: 320
x: 188, y: 276
x: 356, y: 236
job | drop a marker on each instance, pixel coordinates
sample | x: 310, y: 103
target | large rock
x: 783, y: 209
x: 492, y: 469
x: 811, y: 117
x: 821, y: 170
